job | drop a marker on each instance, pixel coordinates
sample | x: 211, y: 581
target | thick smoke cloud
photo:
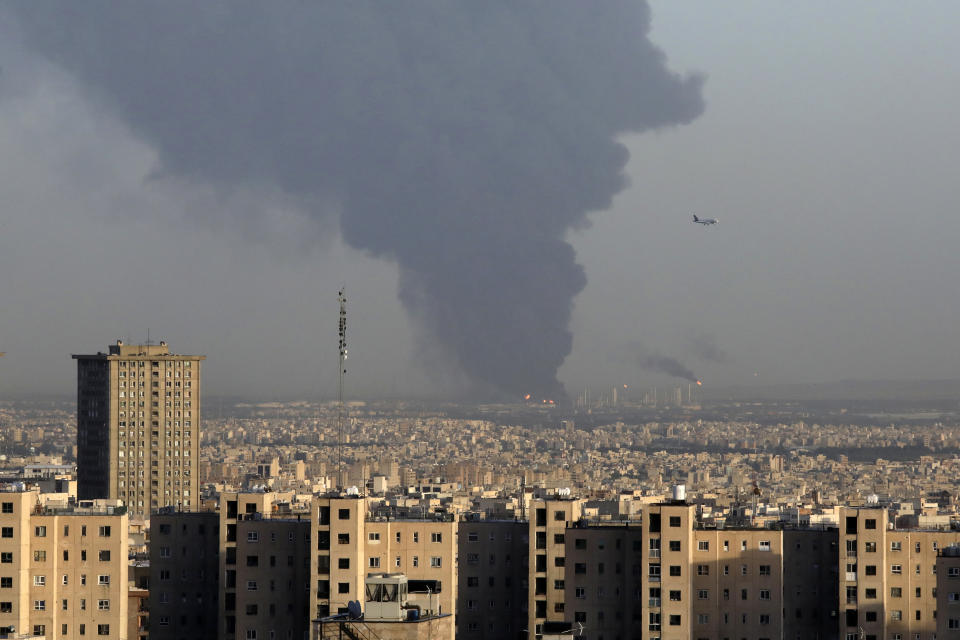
x: 665, y: 364
x: 460, y: 139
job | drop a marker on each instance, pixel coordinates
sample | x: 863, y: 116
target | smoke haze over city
x: 505, y: 191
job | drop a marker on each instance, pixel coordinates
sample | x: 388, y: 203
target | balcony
x: 851, y: 576
x: 654, y: 553
x: 654, y: 602
x: 655, y: 578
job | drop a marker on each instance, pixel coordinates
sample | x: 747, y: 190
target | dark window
x: 6, y: 532
x: 559, y: 516
x: 870, y: 523
x: 558, y: 538
x: 253, y: 561
x: 541, y: 517
x: 558, y: 561
x: 580, y: 543
x: 343, y: 563
x: 674, y: 522
x: 343, y: 538
x: 6, y: 557
x: 541, y: 562
x: 104, y: 556
x: 870, y: 570
x: 654, y: 522
x: 7, y: 507
x: 579, y: 616
x: 851, y: 524
x: 870, y: 616
x: 324, y: 516
x: 674, y: 570
x: 674, y: 545
x: 580, y: 567
x: 343, y: 587
x: 343, y: 514
x: 674, y: 621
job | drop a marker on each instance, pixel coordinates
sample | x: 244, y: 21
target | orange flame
x: 526, y: 397
x: 699, y: 384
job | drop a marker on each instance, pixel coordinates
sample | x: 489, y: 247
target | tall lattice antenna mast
x: 343, y: 370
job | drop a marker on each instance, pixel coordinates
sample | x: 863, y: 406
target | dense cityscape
x: 510, y: 497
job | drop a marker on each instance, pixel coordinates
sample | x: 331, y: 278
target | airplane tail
x: 695, y: 218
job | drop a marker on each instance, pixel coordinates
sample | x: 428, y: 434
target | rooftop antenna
x: 343, y: 358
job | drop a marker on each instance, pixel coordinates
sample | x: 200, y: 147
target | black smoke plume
x: 460, y: 139
x: 665, y: 364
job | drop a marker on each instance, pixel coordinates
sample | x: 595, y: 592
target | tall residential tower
x: 138, y: 427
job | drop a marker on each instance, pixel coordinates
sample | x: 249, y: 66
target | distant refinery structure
x: 621, y: 396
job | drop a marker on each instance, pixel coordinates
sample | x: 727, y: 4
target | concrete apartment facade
x: 138, y: 427
x: 63, y: 572
x: 548, y: 524
x: 348, y: 544
x: 492, y: 593
x: 184, y: 575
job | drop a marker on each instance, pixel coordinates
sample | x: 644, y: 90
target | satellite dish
x: 354, y: 610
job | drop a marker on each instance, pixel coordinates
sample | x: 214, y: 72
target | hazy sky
x: 826, y: 148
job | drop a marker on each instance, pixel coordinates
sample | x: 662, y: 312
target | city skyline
x: 822, y: 149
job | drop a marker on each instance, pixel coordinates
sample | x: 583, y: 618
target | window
x: 674, y: 545
x: 896, y: 568
x: 870, y: 523
x: 580, y: 593
x: 703, y: 594
x: 435, y: 562
x: 558, y: 538
x: 674, y: 570
x: 39, y: 581
x: 896, y: 615
x: 343, y: 538
x: 436, y: 537
x: 343, y: 587
x: 373, y: 536
x: 896, y: 545
x: 870, y: 570
x: 472, y: 536
x: 104, y: 532
x: 703, y: 618
x: 953, y: 623
x: 7, y: 507
x: 6, y: 557
x: 764, y: 594
x: 39, y: 629
x: 253, y: 536
x: 674, y: 621
x: 40, y: 532
x: 675, y: 596
x: 703, y: 569
x: 103, y: 605
x: 251, y: 585
x: 39, y: 605
x: 164, y: 552
x: 953, y: 572
x: 896, y: 592
x: 764, y: 545
x: 416, y: 536
x: 703, y: 545
x: 343, y: 563
x: 870, y: 594
x: 374, y: 562
x: 103, y: 629
x: 6, y: 607
x: 870, y: 547
x: 675, y: 522
x: 103, y: 579
x: 104, y: 556
x: 764, y: 569
x: 559, y: 516
x: 415, y: 561
x: 6, y: 583
x: 764, y: 618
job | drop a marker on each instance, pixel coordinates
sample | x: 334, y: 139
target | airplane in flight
x: 705, y: 221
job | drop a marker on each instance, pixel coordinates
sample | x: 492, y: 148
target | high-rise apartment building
x: 63, y: 571
x: 138, y: 427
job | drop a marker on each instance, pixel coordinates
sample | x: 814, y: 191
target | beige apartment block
x: 63, y: 572
x: 549, y: 521
x: 348, y: 544
x: 948, y: 593
x: 888, y: 577
x: 138, y: 427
